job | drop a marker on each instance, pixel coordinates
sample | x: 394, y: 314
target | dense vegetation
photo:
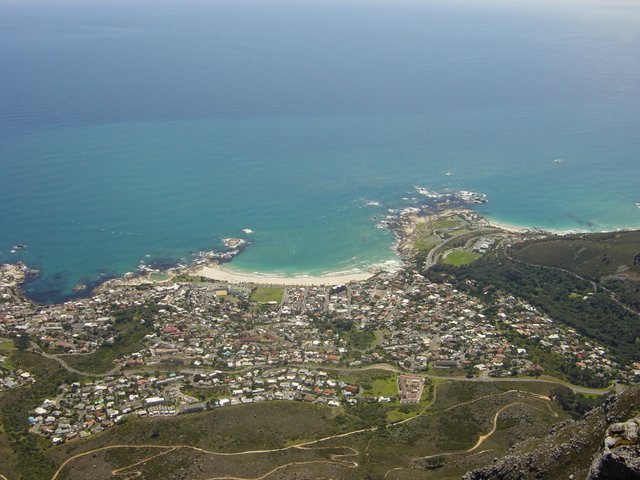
x: 358, y: 340
x: 575, y: 404
x: 589, y: 255
x: 21, y: 342
x: 610, y: 259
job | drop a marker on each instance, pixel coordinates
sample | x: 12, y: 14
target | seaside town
x: 320, y: 240
x: 208, y: 344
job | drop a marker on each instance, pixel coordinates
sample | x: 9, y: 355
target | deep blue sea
x: 147, y: 130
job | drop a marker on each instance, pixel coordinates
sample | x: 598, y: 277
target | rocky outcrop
x: 568, y: 451
x: 620, y: 456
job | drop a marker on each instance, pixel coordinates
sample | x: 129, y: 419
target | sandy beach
x: 508, y: 227
x: 220, y: 273
x: 520, y: 229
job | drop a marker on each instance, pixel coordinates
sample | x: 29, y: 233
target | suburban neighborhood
x: 208, y: 344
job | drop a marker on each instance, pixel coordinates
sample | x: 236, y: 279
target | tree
x: 21, y: 341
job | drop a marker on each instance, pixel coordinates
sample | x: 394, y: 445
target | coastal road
x: 430, y: 262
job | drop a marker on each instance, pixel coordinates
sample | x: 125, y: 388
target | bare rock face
x: 604, y: 445
x: 620, y: 456
x: 619, y: 463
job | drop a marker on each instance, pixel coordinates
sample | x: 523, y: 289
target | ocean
x: 147, y: 131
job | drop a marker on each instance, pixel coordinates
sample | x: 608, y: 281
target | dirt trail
x: 334, y: 459
x: 483, y: 438
x: 117, y: 471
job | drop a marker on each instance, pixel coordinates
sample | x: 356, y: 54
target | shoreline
x: 402, y: 223
x: 218, y: 272
x: 513, y: 228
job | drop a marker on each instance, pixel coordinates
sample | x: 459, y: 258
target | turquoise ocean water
x: 148, y: 131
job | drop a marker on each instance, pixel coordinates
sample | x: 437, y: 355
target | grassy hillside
x: 21, y: 451
x: 590, y: 255
x: 568, y: 451
x: 461, y: 413
x: 610, y: 259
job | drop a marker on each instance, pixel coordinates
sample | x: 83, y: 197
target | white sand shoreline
x: 509, y: 227
x: 217, y: 272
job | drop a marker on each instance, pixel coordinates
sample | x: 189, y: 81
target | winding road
x: 35, y: 348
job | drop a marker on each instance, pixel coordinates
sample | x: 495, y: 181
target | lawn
x: 367, y: 378
x: 384, y: 387
x: 394, y: 416
x: 426, y: 238
x: 192, y: 279
x: 267, y: 294
x: 379, y: 337
x: 460, y: 257
x: 425, y: 244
